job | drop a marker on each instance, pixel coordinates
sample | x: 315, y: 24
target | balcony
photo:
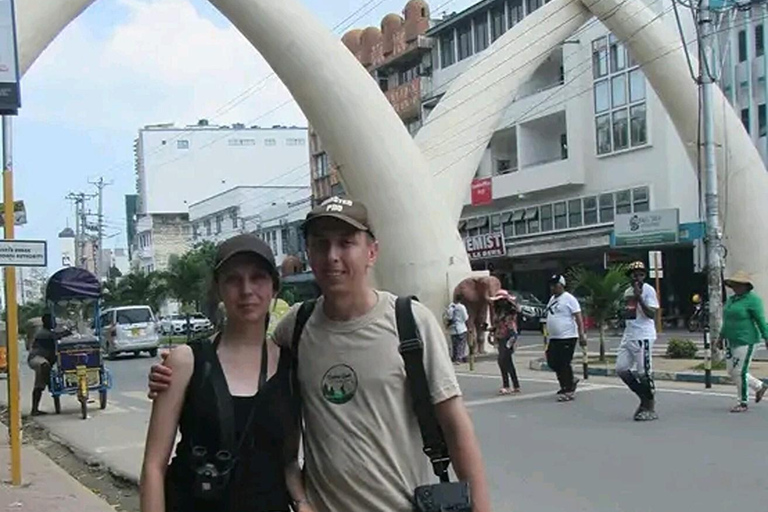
x: 406, y: 99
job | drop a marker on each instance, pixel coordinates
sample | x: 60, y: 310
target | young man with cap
x: 565, y: 326
x: 635, y: 350
x: 363, y: 446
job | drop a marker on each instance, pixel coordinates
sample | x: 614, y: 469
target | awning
x: 518, y: 215
x: 506, y: 217
x: 532, y: 213
x: 477, y: 222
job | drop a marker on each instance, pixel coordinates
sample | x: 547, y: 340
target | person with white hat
x: 565, y: 326
x: 743, y: 327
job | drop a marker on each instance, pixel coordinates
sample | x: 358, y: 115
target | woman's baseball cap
x: 247, y: 244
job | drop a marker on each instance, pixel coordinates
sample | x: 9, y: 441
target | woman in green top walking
x: 743, y: 328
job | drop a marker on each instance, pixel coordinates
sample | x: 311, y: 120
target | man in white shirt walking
x: 633, y: 361
x: 456, y: 315
x: 565, y: 326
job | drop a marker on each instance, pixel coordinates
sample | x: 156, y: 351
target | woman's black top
x: 257, y: 483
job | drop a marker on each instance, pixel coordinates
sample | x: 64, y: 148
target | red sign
x: 489, y: 245
x: 482, y: 191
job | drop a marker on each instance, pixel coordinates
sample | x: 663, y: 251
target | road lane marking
x: 136, y: 395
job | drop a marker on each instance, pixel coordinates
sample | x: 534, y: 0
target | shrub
x: 681, y: 349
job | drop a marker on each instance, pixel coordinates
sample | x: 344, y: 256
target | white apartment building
x: 269, y: 210
x: 177, y: 167
x: 740, y: 47
x: 585, y: 139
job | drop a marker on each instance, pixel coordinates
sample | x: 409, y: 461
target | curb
x: 691, y: 377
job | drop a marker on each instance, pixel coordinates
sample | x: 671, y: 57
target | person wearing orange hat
x: 505, y: 310
x: 743, y: 327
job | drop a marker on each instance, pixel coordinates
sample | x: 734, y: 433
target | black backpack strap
x: 302, y: 317
x: 224, y: 405
x: 412, y: 351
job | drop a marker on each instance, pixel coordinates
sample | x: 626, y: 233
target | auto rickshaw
x: 79, y: 368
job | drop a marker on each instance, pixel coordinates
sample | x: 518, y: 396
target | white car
x: 200, y: 322
x: 174, y: 324
x: 128, y: 329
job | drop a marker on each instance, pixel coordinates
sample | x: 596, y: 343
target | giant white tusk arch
x: 421, y: 250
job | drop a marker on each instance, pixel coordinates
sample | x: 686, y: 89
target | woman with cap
x: 229, y: 397
x: 743, y: 328
x: 565, y: 327
x: 504, y: 328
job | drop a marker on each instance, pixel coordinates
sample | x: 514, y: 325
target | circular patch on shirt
x: 339, y: 384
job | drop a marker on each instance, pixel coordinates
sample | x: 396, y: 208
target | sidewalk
x: 45, y: 486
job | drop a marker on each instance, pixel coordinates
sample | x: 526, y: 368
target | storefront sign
x: 649, y: 228
x: 489, y: 245
x: 482, y: 191
x: 10, y: 99
x: 23, y: 253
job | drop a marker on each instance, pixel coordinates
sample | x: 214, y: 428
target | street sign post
x: 656, y: 265
x: 19, y: 213
x: 647, y: 229
x: 23, y: 253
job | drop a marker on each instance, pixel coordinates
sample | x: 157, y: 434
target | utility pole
x: 100, y: 227
x: 79, y: 198
x: 707, y: 68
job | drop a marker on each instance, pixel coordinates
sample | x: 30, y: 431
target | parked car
x: 200, y: 323
x: 173, y: 325
x: 531, y: 311
x: 129, y: 329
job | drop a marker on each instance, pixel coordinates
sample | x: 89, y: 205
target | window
x: 640, y: 202
x: 561, y: 215
x: 604, y: 134
x: 618, y: 54
x: 507, y: 225
x: 602, y: 98
x: 233, y: 217
x: 515, y: 13
x: 638, y: 125
x: 623, y: 202
x: 761, y: 130
x: 195, y: 230
x: 295, y: 142
x: 481, y: 33
x: 742, y: 45
x: 270, y: 142
x: 241, y: 142
x: 447, y: 56
x: 564, y: 146
x: 759, y: 41
x: 182, y: 144
x: 534, y: 4
x: 495, y: 223
x: 532, y: 216
x: 208, y: 227
x: 498, y: 25
x: 574, y: 213
x: 407, y: 75
x: 745, y: 118
x: 606, y: 208
x: 321, y: 165
x: 590, y: 211
x: 620, y: 130
x: 219, y: 220
x: 619, y: 97
x: 521, y: 227
x: 600, y: 58
x: 465, y: 41
x: 546, y: 218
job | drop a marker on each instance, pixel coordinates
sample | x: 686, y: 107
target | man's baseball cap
x: 557, y: 279
x: 344, y: 209
x: 247, y: 244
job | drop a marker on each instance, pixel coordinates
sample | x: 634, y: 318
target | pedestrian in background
x: 456, y: 317
x: 565, y: 326
x: 743, y: 328
x: 505, y: 310
x: 634, y: 358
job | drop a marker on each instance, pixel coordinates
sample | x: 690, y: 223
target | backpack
x: 449, y: 315
x: 412, y: 351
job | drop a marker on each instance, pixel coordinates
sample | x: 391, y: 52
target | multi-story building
x: 584, y: 140
x: 741, y: 73
x: 179, y: 167
x: 393, y: 55
x: 271, y: 211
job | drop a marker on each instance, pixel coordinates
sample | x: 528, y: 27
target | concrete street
x: 540, y: 455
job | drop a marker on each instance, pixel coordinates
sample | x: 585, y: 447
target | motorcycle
x: 697, y: 320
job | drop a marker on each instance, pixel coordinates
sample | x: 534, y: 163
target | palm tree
x: 603, y: 293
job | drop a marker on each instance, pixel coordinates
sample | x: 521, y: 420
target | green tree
x: 189, y: 275
x: 136, y: 288
x: 602, y: 292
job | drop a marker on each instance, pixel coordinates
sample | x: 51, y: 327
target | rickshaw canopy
x: 72, y: 284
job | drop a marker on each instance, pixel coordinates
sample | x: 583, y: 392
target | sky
x: 124, y: 64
